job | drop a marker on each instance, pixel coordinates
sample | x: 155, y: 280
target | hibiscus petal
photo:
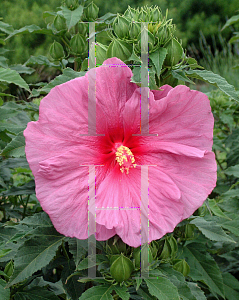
x: 163, y: 92
x: 176, y: 148
x: 113, y: 89
x: 119, y: 205
x: 186, y: 120
x: 195, y: 178
x: 63, y: 191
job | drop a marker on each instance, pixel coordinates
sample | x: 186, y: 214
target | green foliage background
x: 191, y: 16
x: 200, y: 259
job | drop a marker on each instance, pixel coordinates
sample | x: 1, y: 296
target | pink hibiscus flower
x: 181, y: 170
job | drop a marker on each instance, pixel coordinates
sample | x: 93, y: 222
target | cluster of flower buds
x: 74, y: 38
x: 71, y: 4
x: 169, y: 248
x: 91, y: 12
x: 128, y: 31
x: 124, y: 259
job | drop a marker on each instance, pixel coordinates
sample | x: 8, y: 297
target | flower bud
x: 170, y: 248
x: 121, y: 27
x: 143, y: 16
x: 165, y: 253
x: 137, y: 256
x: 9, y: 269
x: 100, y: 53
x: 120, y: 49
x: 78, y: 44
x: 151, y: 41
x: 59, y: 23
x: 82, y: 28
x: 155, y: 15
x: 72, y: 4
x: 116, y: 245
x: 189, y: 231
x: 121, y: 267
x: 169, y: 79
x: 134, y: 30
x: 131, y: 13
x: 56, y: 51
x: 173, y: 245
x: 91, y: 12
x: 154, y: 248
x: 181, y: 266
x: 175, y: 52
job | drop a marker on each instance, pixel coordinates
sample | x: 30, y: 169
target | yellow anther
x: 125, y: 159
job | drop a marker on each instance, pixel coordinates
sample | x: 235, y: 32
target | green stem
x: 75, y: 65
x: 64, y: 250
x: 25, y: 206
x: 217, y: 160
x: 65, y: 42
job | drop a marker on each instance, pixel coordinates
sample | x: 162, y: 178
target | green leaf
x: 35, y: 254
x: 98, y: 293
x: 47, y: 14
x: 78, y: 248
x: 216, y: 209
x: 30, y: 29
x: 73, y: 287
x: 180, y: 75
x: 233, y: 40
x: 6, y: 95
x: 231, y: 21
x: 144, y: 294
x: 38, y: 220
x: 122, y: 292
x: 136, y: 78
x: 196, y: 291
x: 40, y: 60
x: 152, y: 82
x: 211, y: 230
x: 35, y: 293
x: 215, y: 80
x: 138, y: 282
x: 13, y: 163
x: 5, y: 293
x: 12, y: 76
x: 107, y: 18
x: 231, y: 286
x: 72, y: 16
x: 3, y: 62
x: 16, y: 147
x: 85, y: 263
x: 22, y: 69
x: 4, y: 252
x: 178, y: 280
x: 25, y: 189
x: 157, y: 58
x: 232, y: 225
x: 234, y: 170
x: 67, y: 75
x: 204, y: 268
x: 162, y: 288
x: 15, y: 129
x: 6, y: 28
x: 230, y: 194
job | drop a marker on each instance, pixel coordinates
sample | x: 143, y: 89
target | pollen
x: 125, y: 159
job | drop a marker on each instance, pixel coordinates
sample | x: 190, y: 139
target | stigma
x: 125, y: 159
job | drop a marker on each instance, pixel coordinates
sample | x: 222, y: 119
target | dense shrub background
x: 191, y: 16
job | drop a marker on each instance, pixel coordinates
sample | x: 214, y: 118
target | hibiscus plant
x: 118, y: 179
